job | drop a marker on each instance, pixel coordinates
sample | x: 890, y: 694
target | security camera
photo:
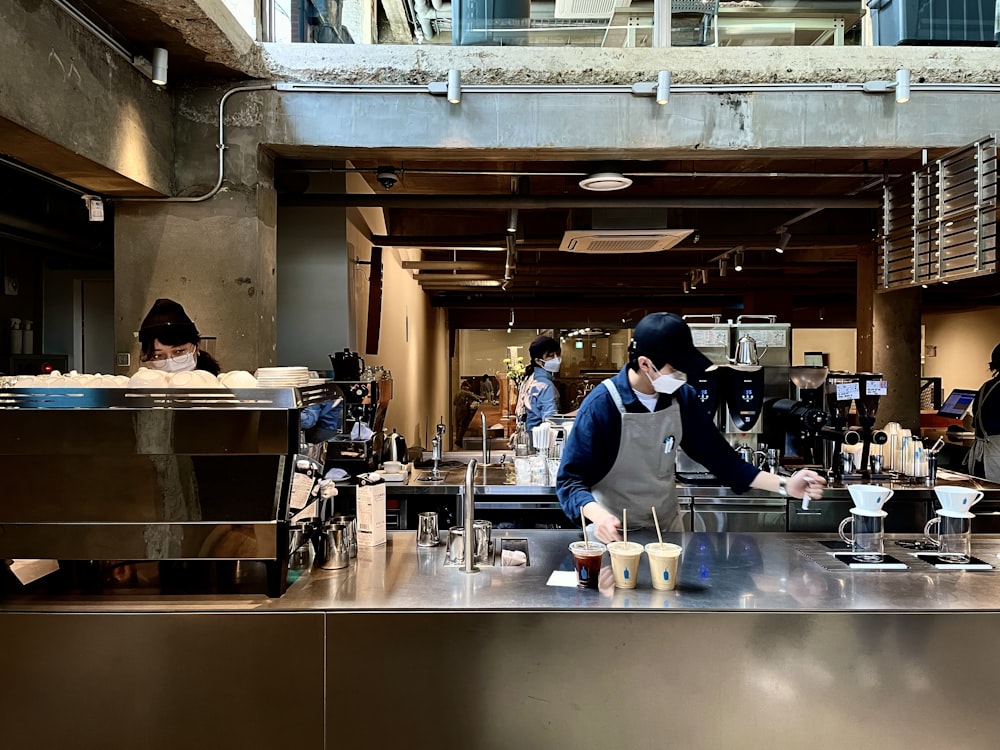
x: 386, y: 177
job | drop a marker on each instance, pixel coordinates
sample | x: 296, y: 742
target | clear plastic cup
x: 587, y: 558
x: 664, y: 561
x: 625, y: 563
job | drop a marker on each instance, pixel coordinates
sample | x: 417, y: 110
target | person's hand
x: 606, y: 523
x: 805, y: 484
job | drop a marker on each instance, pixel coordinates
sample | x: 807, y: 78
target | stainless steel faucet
x: 486, y: 441
x: 468, y: 511
x: 436, y: 450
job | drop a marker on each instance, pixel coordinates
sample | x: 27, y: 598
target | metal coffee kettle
x: 394, y: 448
x: 746, y: 351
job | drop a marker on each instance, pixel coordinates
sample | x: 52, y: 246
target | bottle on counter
x: 522, y: 439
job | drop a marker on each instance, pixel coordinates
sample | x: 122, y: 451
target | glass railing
x: 623, y: 23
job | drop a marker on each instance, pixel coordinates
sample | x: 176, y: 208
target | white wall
x: 839, y: 344
x: 963, y: 342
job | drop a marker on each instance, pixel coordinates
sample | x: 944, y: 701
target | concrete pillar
x: 314, y: 259
x: 896, y: 349
x: 215, y: 257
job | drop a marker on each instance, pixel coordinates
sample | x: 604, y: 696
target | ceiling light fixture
x: 784, y: 238
x: 159, y: 75
x: 901, y: 86
x: 660, y: 88
x: 663, y: 87
x: 723, y: 266
x: 686, y: 287
x: 510, y: 323
x: 452, y: 88
x: 738, y: 261
x: 603, y: 182
x: 512, y: 221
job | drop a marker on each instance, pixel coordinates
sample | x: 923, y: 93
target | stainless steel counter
x: 758, y: 647
x: 719, y: 572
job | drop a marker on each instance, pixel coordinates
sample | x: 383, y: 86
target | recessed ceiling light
x: 605, y: 181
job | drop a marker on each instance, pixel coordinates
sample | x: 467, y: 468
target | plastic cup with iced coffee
x: 664, y: 559
x: 625, y: 563
x: 587, y: 558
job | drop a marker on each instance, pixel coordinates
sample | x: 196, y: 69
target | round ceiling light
x: 605, y: 181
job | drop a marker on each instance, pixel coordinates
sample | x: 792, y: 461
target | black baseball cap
x: 666, y: 339
x: 995, y: 358
x: 167, y: 317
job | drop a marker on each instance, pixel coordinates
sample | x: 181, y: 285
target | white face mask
x: 552, y: 365
x: 183, y: 363
x: 668, y: 382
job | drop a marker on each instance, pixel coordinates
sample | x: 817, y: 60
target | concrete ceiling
x: 457, y: 209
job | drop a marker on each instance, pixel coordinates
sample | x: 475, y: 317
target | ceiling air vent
x: 621, y: 241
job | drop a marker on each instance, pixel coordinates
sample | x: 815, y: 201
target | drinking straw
x: 625, y: 524
x: 656, y: 523
x: 583, y: 522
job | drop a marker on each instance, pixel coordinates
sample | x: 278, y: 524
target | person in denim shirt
x: 622, y: 449
x: 322, y: 421
x: 538, y: 398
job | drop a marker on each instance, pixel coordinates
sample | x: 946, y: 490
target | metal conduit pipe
x: 359, y: 200
x: 220, y: 146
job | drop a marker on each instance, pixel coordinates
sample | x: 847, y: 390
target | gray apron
x: 642, y: 476
x: 986, y: 448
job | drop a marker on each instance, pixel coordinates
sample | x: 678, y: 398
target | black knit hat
x: 541, y: 346
x: 166, y: 315
x: 666, y: 339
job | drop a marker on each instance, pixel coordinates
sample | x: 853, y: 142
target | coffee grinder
x: 863, y: 389
x: 809, y: 382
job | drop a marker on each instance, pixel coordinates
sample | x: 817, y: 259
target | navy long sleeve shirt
x: 592, y: 445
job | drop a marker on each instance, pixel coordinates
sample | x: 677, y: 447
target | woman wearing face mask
x: 623, y: 446
x: 169, y: 340
x: 538, y: 398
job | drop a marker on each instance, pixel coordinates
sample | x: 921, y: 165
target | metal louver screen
x: 620, y: 246
x: 585, y: 8
x: 942, y: 225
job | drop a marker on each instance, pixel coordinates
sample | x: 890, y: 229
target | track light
x: 703, y: 276
x: 723, y: 266
x: 510, y: 323
x: 659, y: 88
x: 452, y: 88
x: 694, y: 279
x: 686, y: 287
x: 663, y: 87
x: 512, y: 221
x: 901, y: 86
x: 159, y: 75
x: 784, y: 238
x: 738, y: 261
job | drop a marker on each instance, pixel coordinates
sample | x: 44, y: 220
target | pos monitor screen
x: 957, y: 403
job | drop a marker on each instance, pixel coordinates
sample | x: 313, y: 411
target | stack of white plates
x: 281, y: 377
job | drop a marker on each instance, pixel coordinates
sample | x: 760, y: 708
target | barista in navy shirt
x: 622, y: 449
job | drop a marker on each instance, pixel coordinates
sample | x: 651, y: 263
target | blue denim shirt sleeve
x: 590, y: 450
x: 593, y: 444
